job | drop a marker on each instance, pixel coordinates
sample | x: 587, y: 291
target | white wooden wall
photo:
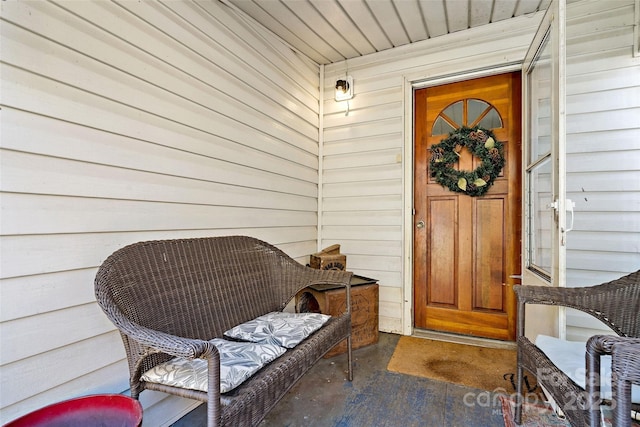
x: 135, y: 121
x: 365, y: 164
x: 603, y: 148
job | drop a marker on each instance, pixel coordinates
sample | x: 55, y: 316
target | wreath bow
x: 482, y: 143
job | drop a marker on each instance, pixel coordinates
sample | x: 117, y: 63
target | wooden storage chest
x: 329, y: 299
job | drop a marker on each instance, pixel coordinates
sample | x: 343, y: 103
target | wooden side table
x: 330, y: 299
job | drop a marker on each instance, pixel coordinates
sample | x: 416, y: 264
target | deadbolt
x: 420, y: 224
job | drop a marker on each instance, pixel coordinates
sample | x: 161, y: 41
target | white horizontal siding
x: 603, y: 149
x: 363, y: 152
x: 129, y: 121
x: 63, y: 364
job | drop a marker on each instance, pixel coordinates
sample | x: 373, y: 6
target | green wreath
x: 482, y: 143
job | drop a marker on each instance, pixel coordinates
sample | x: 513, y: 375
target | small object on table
x: 329, y: 258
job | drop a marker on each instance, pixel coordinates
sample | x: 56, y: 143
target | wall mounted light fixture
x: 344, y: 89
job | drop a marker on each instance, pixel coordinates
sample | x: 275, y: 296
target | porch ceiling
x: 330, y: 31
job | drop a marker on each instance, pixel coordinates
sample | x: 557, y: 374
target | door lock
x: 420, y: 224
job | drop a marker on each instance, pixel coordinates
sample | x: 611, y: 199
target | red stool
x: 108, y: 410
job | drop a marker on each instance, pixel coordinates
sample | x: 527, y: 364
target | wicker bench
x: 169, y: 298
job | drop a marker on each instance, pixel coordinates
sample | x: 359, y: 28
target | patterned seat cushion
x: 279, y: 328
x: 238, y: 361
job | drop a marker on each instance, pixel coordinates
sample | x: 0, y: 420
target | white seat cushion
x: 279, y: 328
x: 238, y: 361
x: 569, y: 357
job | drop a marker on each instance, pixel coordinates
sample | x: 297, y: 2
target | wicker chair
x: 169, y: 298
x: 616, y: 304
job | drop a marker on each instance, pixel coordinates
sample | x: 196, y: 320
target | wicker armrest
x: 603, y: 344
x: 625, y: 367
x: 615, y: 303
x: 597, y: 346
x: 166, y: 343
x: 330, y: 282
x: 549, y: 295
x: 327, y: 277
x: 338, y: 277
x: 626, y: 362
x: 341, y: 283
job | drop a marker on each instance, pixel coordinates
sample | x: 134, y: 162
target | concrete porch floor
x: 376, y: 397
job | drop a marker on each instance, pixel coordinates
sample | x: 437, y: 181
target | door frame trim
x: 410, y: 83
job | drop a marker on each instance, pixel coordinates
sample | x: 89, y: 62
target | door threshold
x: 464, y: 339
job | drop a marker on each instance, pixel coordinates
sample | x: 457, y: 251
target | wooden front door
x: 466, y: 249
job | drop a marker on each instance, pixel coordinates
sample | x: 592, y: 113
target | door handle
x: 420, y: 225
x: 570, y: 205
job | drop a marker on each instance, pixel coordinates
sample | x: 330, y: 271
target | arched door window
x: 469, y: 112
